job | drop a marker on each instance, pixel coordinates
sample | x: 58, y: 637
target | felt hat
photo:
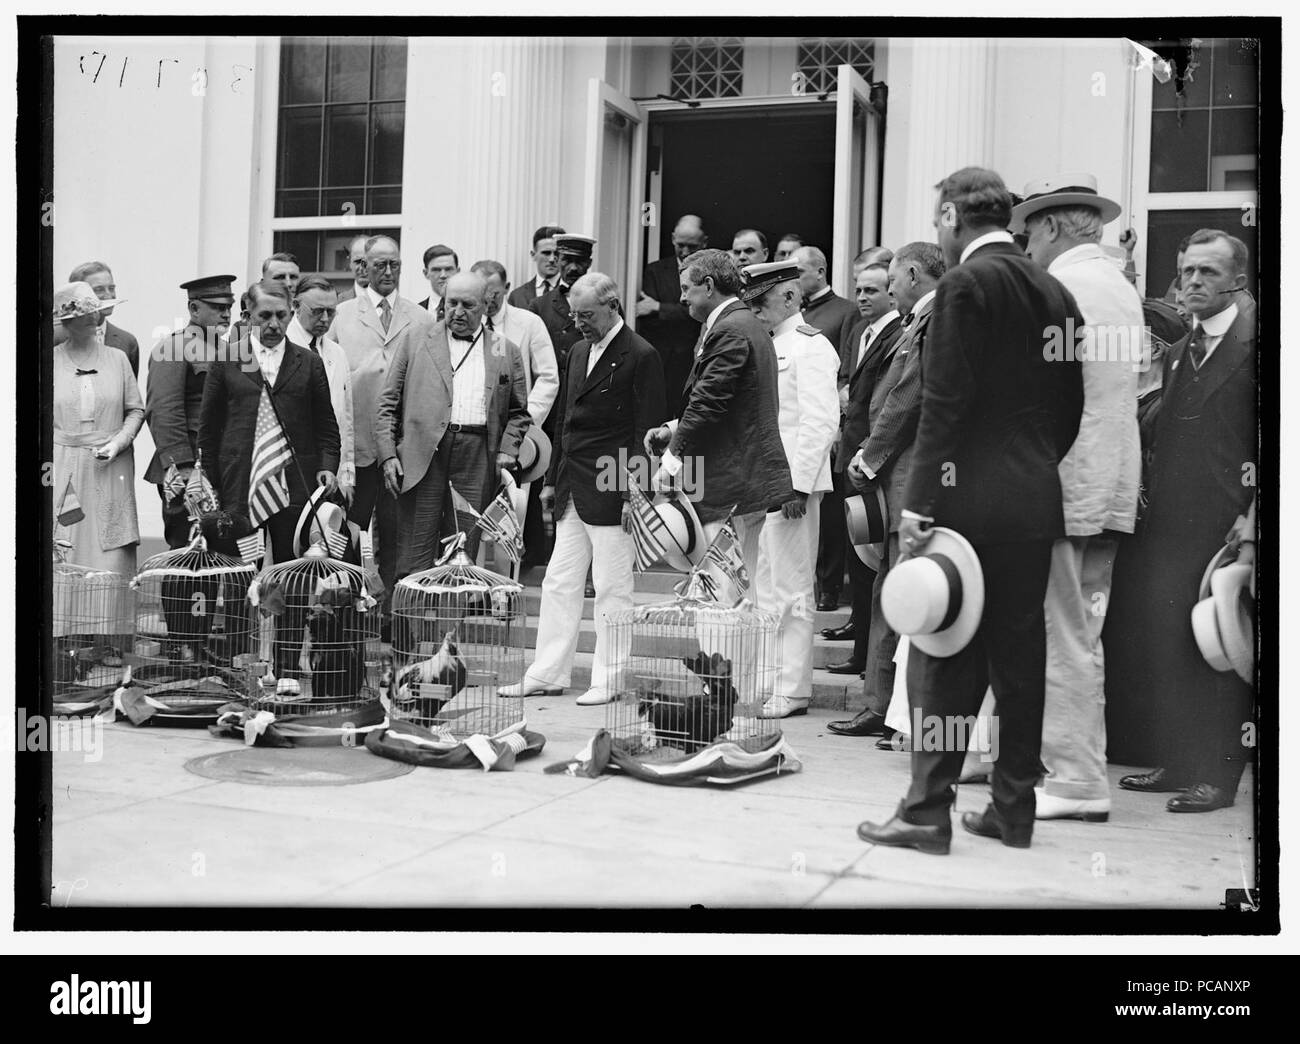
x: 73, y: 300
x: 534, y: 455
x: 866, y: 515
x: 1075, y: 189
x: 685, y: 540
x: 759, y: 279
x: 936, y: 598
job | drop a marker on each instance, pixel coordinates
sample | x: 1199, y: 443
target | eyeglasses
x: 358, y: 261
x: 380, y: 266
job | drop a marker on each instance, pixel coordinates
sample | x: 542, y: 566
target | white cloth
x: 610, y: 553
x: 1101, y: 472
x: 871, y: 333
x: 980, y: 751
x: 468, y: 402
x: 999, y: 236
x: 527, y: 331
x: 268, y: 359
x: 598, y: 349
x: 339, y: 375
x: 787, y: 561
x: 1215, y: 327
x: 807, y: 402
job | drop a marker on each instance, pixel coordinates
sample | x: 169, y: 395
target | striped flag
x: 70, y: 510
x: 466, y: 517
x: 252, y: 547
x: 338, y: 542
x: 173, y: 483
x: 724, y: 555
x: 200, y: 497
x: 268, y: 488
x: 500, y: 523
x: 649, y: 533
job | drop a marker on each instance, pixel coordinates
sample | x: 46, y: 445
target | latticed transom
x: 818, y: 59
x: 706, y: 67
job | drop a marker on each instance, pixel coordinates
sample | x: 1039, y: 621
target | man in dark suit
x: 575, y: 259
x: 269, y: 382
x: 612, y: 395
x: 178, y: 366
x: 453, y: 410
x: 998, y: 412
x: 357, y: 263
x: 662, y: 318
x: 883, y: 457
x: 822, y: 306
x: 440, y: 264
x: 545, y: 259
x: 1202, y: 479
x: 864, y: 356
x: 100, y: 279
x: 729, y: 429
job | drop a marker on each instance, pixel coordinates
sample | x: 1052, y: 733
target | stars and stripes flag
x: 500, y: 523
x: 725, y: 556
x: 252, y: 547
x: 200, y: 497
x: 650, y: 535
x: 338, y: 542
x: 466, y: 517
x: 268, y: 486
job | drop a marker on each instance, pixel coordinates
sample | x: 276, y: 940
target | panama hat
x: 323, y: 516
x: 866, y: 516
x: 1223, y: 617
x: 534, y: 455
x: 1062, y: 190
x: 936, y: 598
x: 685, y: 538
x: 73, y: 300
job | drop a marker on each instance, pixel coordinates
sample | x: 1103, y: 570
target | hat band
x: 1084, y: 189
x: 953, y: 577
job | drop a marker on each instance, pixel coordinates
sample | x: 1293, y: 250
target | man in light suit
x: 314, y: 310
x: 883, y: 457
x: 1063, y: 218
x: 100, y: 279
x: 661, y: 318
x: 806, y: 365
x: 372, y: 329
x: 997, y: 416
x: 613, y: 394
x: 545, y: 258
x: 1202, y: 481
x: 728, y: 427
x: 453, y: 410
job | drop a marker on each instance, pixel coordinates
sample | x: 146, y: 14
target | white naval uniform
x: 809, y: 409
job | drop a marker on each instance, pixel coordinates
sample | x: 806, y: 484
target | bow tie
x: 86, y: 373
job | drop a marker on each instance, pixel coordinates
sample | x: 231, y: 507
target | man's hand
x: 326, y: 479
x: 796, y: 506
x: 346, y: 488
x: 857, y: 477
x: 626, y: 520
x: 912, y: 538
x: 844, y: 398
x: 547, y: 498
x: 657, y: 439
x: 393, y: 475
x: 646, y: 305
x: 504, y: 461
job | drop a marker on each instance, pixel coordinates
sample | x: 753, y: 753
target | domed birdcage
x: 458, y: 637
x: 193, y: 634
x: 93, y: 628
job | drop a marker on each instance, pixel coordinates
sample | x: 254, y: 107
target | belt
x: 468, y: 429
x: 82, y: 438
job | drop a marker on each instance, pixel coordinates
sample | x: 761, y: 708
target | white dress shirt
x: 870, y: 334
x: 527, y: 332
x: 268, y: 359
x: 468, y: 402
x: 1215, y: 327
x: 598, y: 349
x: 544, y: 286
x: 376, y: 297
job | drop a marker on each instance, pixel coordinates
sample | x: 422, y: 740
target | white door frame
x: 849, y: 234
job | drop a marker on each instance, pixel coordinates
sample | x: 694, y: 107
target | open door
x: 857, y: 176
x: 615, y: 168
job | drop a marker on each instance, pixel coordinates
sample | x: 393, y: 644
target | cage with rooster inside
x: 93, y: 628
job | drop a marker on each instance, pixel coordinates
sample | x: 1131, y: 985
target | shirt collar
x: 297, y: 333
x: 1000, y: 235
x: 1082, y: 252
x: 375, y: 297
x: 603, y: 343
x: 922, y: 301
x: 499, y: 319
x: 883, y: 321
x: 713, y: 315
x: 790, y: 322
x: 541, y: 282
x: 819, y: 294
x: 1217, y: 325
x: 258, y: 346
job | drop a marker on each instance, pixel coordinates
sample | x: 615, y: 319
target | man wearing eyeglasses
x: 546, y: 258
x: 357, y: 263
x: 372, y: 328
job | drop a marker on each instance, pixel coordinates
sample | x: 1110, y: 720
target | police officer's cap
x: 572, y: 245
x: 758, y: 279
x: 214, y: 289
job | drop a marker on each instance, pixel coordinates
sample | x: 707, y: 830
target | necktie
x: 489, y: 323
x: 386, y: 313
x: 1196, y: 347
x: 908, y: 319
x: 313, y: 346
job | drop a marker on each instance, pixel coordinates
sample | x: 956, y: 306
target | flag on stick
x: 649, y: 533
x: 200, y: 497
x: 252, y: 547
x: 173, y: 483
x: 724, y: 555
x: 268, y: 488
x: 466, y: 517
x: 338, y: 542
x: 70, y: 511
x: 499, y: 522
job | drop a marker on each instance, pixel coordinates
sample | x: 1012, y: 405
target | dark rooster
x: 699, y: 718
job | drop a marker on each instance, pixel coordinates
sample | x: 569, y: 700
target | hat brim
x: 537, y: 469
x: 1110, y: 210
x: 301, y: 530
x: 955, y: 637
x: 1233, y: 610
x: 858, y: 526
x: 684, y: 559
x: 103, y: 307
x: 1205, y: 629
x: 1221, y: 558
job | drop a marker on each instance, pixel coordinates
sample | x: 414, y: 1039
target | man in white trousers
x: 613, y: 392
x: 808, y: 412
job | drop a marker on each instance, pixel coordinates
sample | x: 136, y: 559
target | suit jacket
x: 671, y: 330
x: 119, y: 338
x: 370, y: 354
x: 232, y: 395
x: 807, y: 402
x: 174, y: 398
x: 860, y: 378
x: 439, y: 313
x: 997, y: 415
x: 339, y: 375
x: 602, y: 420
x: 894, y: 412
x: 730, y: 419
x: 834, y: 317
x: 525, y: 294
x: 414, y: 408
x: 554, y: 310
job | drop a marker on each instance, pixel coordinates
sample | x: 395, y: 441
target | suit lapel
x: 288, y: 365
x: 875, y: 348
x: 609, y: 359
x: 494, y: 359
x: 1231, y: 352
x: 369, y: 317
x: 439, y: 348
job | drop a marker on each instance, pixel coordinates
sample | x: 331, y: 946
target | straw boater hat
x: 73, y: 300
x: 685, y: 539
x: 936, y: 598
x: 867, y: 519
x: 1062, y: 190
x: 329, y: 517
x: 534, y: 455
x: 1223, y: 618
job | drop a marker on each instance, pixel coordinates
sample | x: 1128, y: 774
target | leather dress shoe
x: 828, y: 603
x: 989, y: 824
x: 846, y: 667
x: 1201, y: 797
x: 898, y: 833
x: 1157, y: 781
x: 896, y: 741
x: 840, y: 634
x: 864, y: 723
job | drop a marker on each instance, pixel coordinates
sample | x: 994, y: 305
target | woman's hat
x: 534, y: 455
x: 329, y: 524
x: 77, y: 299
x: 685, y: 541
x: 867, y: 517
x: 936, y: 598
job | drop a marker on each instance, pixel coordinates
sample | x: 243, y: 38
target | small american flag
x: 466, y: 517
x: 649, y: 533
x: 252, y: 547
x: 499, y: 522
x: 200, y: 497
x: 268, y: 489
x: 70, y: 511
x: 338, y: 542
x: 724, y: 554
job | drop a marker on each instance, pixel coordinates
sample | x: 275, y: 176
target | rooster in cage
x: 698, y: 717
x: 332, y: 654
x: 446, y: 667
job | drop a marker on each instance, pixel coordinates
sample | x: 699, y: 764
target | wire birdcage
x: 316, y: 647
x: 458, y: 637
x: 193, y: 631
x: 689, y: 673
x: 93, y: 630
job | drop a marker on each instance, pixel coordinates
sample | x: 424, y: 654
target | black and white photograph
x: 500, y: 467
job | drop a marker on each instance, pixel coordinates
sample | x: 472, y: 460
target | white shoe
x: 783, y: 707
x: 1090, y: 810
x: 529, y: 686
x: 593, y: 696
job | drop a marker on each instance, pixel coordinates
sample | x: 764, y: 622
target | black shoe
x: 897, y: 833
x: 846, y: 667
x: 865, y: 723
x: 839, y: 634
x: 828, y: 603
x: 1201, y: 797
x: 989, y: 824
x: 890, y: 742
x: 1157, y: 781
